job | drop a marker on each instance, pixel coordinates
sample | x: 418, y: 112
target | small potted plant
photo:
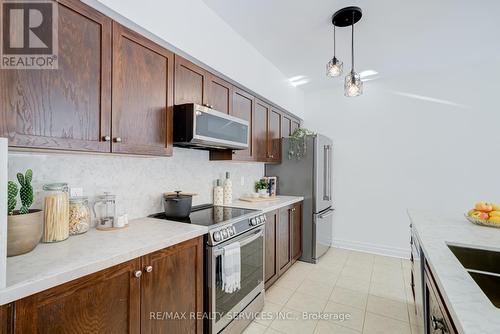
x: 261, y: 187
x: 24, y: 226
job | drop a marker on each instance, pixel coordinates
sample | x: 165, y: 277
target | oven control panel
x: 228, y: 231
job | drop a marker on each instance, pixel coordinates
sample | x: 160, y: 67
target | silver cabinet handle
x: 326, y: 214
x: 118, y: 140
x: 148, y: 269
x: 106, y: 138
x: 138, y: 273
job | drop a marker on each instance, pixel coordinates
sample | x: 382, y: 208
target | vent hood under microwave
x: 198, y: 126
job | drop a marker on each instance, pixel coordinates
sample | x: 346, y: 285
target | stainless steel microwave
x: 198, y: 126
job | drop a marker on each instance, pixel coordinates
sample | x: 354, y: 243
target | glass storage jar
x: 79, y: 215
x: 56, y: 212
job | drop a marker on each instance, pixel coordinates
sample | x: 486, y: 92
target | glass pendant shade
x: 334, y: 68
x: 353, y: 86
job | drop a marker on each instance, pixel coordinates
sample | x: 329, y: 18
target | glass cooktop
x: 208, y: 214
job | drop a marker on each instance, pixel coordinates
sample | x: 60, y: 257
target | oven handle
x: 244, y: 242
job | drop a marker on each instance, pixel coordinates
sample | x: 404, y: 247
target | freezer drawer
x: 323, y: 232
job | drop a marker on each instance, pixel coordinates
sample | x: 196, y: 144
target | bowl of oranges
x: 485, y: 214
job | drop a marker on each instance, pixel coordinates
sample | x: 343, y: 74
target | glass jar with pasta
x: 56, y: 212
x: 79, y: 215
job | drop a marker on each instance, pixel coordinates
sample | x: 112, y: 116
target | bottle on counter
x: 228, y: 190
x: 218, y: 194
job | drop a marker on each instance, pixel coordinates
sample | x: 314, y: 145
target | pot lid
x: 178, y: 193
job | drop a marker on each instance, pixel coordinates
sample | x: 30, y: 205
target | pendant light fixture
x: 348, y: 16
x: 334, y: 66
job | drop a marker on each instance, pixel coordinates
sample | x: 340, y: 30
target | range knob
x: 253, y: 222
x: 231, y: 231
x: 263, y: 218
x: 217, y: 236
x: 257, y: 220
x: 225, y: 234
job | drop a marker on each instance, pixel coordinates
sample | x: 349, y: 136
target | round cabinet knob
x: 225, y: 234
x: 118, y: 140
x: 217, y: 236
x: 137, y: 273
x: 148, y: 269
x: 106, y: 138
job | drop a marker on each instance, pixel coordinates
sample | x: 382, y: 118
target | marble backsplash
x: 138, y: 182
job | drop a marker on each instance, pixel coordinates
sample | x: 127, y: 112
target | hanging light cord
x: 334, y: 53
x: 352, y: 43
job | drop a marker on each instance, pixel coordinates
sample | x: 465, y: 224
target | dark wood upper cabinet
x: 286, y: 126
x: 274, y: 135
x: 295, y: 125
x: 174, y: 284
x: 284, y: 241
x: 296, y: 231
x: 142, y: 94
x: 260, y: 130
x: 67, y: 108
x: 191, y: 82
x: 271, y: 256
x: 108, y: 301
x: 219, y: 94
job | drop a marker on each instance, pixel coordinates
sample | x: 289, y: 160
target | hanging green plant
x: 298, y: 145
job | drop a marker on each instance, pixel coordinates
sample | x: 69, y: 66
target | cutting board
x: 258, y: 199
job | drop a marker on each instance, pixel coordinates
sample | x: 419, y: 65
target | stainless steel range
x: 231, y: 312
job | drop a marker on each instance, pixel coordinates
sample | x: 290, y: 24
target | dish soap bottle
x: 218, y: 194
x: 228, y: 190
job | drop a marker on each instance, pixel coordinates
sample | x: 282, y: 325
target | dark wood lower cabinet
x: 133, y: 297
x: 283, y: 241
x: 271, y: 256
x: 108, y: 301
x: 174, y: 286
x: 296, y: 216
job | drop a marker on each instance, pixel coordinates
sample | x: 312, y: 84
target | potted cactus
x: 25, y: 225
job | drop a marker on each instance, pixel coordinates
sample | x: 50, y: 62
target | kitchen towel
x: 231, y: 268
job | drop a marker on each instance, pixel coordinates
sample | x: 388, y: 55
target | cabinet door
x: 174, y: 286
x: 296, y: 215
x: 68, y: 108
x: 274, y: 136
x: 7, y: 319
x: 243, y: 107
x: 286, y: 126
x: 271, y: 256
x: 284, y: 240
x: 105, y: 302
x: 191, y: 82
x: 142, y: 94
x: 219, y: 94
x: 295, y: 125
x: 260, y: 130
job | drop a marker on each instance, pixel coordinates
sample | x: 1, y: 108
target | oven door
x: 224, y: 306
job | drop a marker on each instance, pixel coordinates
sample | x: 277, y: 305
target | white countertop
x: 49, y: 265
x: 279, y: 202
x: 471, y: 310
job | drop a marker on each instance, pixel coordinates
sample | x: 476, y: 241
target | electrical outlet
x: 242, y: 181
x: 76, y: 192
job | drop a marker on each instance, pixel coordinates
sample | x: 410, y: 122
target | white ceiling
x: 394, y: 37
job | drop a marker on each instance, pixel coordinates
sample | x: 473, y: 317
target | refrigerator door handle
x: 325, y: 173
x: 327, y: 213
x: 329, y: 173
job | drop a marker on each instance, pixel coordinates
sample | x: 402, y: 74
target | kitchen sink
x: 484, y: 268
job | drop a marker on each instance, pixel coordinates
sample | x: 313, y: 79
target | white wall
x: 194, y: 28
x: 393, y: 152
x: 138, y: 182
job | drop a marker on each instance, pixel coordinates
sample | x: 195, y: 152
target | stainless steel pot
x: 177, y: 205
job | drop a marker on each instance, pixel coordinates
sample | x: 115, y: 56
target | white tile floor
x: 373, y: 290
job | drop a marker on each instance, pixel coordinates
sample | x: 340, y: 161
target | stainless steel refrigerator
x: 310, y: 177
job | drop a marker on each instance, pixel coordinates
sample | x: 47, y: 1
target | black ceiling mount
x: 347, y: 16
